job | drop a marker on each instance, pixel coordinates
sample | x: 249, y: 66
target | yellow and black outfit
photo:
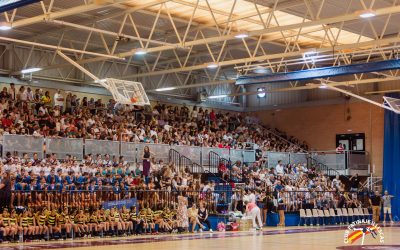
x: 51, y: 219
x: 25, y: 222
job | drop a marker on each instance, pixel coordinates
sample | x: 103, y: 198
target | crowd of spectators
x: 25, y: 111
x: 49, y: 182
x: 81, y: 184
x: 34, y: 112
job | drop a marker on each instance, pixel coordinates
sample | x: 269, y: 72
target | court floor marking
x: 162, y: 238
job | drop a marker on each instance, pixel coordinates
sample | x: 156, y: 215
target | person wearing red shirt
x: 6, y: 121
x: 213, y: 117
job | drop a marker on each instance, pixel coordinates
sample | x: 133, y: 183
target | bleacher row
x: 330, y: 217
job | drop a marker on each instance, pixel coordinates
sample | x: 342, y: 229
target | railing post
x: 201, y: 155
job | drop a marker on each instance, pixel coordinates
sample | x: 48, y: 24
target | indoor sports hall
x: 199, y: 124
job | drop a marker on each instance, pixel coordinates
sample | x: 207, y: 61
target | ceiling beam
x: 54, y: 47
x: 97, y: 4
x: 315, y: 86
x: 197, y: 85
x: 314, y: 73
x: 298, y: 53
x: 256, y: 33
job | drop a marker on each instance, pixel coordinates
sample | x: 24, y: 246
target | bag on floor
x: 221, y: 227
x: 235, y: 226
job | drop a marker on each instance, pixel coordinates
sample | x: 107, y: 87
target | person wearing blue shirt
x: 117, y: 191
x: 92, y: 187
x: 20, y: 176
x: 40, y: 176
x: 17, y: 186
x: 69, y: 179
x: 18, y: 191
x: 81, y: 179
x: 52, y: 176
x: 52, y: 186
x: 27, y: 179
x: 278, y: 186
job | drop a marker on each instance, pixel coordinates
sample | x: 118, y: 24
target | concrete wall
x: 318, y: 125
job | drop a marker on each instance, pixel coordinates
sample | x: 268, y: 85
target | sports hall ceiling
x: 183, y: 39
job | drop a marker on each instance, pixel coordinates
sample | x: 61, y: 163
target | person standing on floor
x: 255, y: 213
x: 281, y: 208
x: 146, y: 156
x: 375, y: 201
x: 182, y: 214
x: 387, y: 206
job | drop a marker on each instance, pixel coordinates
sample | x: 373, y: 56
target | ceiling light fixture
x: 323, y: 86
x: 212, y: 65
x: 100, y: 81
x: 367, y: 13
x: 165, y: 89
x: 262, y: 70
x: 140, y: 52
x: 5, y: 26
x: 242, y: 35
x: 217, y: 96
x: 30, y: 70
x: 262, y: 93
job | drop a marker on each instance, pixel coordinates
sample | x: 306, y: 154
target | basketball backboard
x: 126, y: 92
x: 393, y: 103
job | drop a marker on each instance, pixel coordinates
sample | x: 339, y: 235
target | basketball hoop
x: 393, y: 103
x: 389, y: 103
x: 126, y: 92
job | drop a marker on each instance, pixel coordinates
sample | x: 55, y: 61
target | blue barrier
x: 119, y: 204
x: 290, y: 219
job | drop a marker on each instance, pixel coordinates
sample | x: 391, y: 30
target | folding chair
x: 351, y: 213
x: 339, y: 215
x: 345, y: 214
x: 327, y: 215
x: 316, y: 216
x: 357, y: 214
x: 322, y: 216
x: 367, y: 214
x: 309, y: 215
x: 360, y: 213
x: 333, y: 215
x: 303, y: 216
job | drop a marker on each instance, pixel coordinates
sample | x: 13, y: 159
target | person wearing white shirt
x: 24, y: 95
x: 46, y: 170
x: 59, y: 100
x: 153, y: 133
x: 76, y: 169
x: 43, y: 109
x: 167, y: 127
x: 279, y: 168
x: 246, y: 197
x: 36, y: 170
x: 12, y: 91
x: 252, y: 197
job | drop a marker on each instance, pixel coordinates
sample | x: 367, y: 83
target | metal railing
x: 183, y: 162
x: 328, y: 161
x: 131, y: 152
x: 216, y: 201
x: 215, y: 159
x: 373, y: 183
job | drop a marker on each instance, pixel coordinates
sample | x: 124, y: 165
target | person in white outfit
x: 254, y: 211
